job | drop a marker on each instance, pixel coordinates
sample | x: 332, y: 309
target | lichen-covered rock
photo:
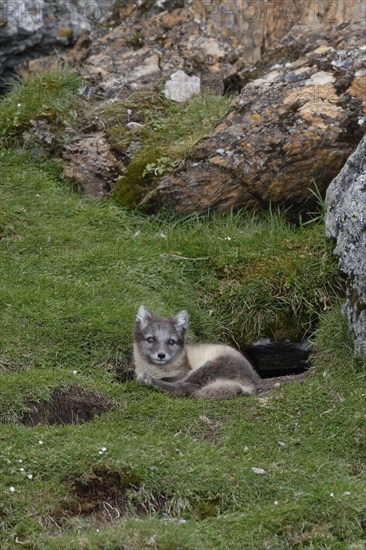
x: 90, y: 161
x: 259, y: 24
x: 143, y: 52
x: 346, y: 222
x: 290, y: 131
x: 28, y: 28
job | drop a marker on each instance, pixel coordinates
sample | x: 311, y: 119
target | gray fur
x: 205, y: 371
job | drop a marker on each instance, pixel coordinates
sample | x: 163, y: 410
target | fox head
x: 160, y: 340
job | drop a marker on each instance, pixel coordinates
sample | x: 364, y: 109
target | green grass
x: 178, y: 472
x: 73, y: 273
x: 38, y: 110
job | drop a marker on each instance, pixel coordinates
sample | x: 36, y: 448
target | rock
x: 29, y: 29
x: 90, y: 161
x: 259, y: 471
x: 346, y: 222
x: 51, y: 62
x: 181, y: 87
x: 142, y: 53
x: 259, y: 24
x: 289, y: 133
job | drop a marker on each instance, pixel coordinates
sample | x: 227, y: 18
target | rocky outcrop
x: 28, y: 28
x: 290, y: 131
x: 143, y: 53
x: 346, y: 222
x: 259, y: 24
x: 296, y: 121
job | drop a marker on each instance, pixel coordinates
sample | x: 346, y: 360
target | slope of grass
x: 89, y: 459
x: 153, y: 471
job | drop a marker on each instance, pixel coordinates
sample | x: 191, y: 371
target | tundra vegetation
x: 88, y: 458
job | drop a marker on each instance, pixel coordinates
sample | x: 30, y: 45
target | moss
x: 169, y: 132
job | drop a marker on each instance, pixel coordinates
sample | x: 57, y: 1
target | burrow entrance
x: 105, y: 495
x: 72, y: 405
x: 274, y: 358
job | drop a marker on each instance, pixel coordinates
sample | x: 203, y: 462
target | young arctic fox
x: 205, y: 371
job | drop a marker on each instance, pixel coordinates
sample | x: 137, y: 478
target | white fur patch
x: 162, y: 334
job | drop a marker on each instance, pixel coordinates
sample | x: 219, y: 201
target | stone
x: 181, y: 87
x: 260, y: 24
x: 29, y: 29
x: 143, y: 53
x: 346, y: 223
x: 90, y: 161
x: 285, y: 138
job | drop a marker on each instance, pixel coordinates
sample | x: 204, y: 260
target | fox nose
x: 161, y: 356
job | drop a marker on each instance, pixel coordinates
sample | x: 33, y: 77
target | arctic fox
x: 206, y: 371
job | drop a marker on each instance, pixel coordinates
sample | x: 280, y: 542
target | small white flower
x: 276, y: 503
x: 246, y: 449
x: 74, y: 372
x: 19, y: 105
x: 346, y: 493
x: 30, y: 476
x: 11, y: 489
x: 227, y: 238
x: 100, y: 452
x: 103, y: 449
x: 40, y: 442
x: 331, y: 494
x: 282, y: 444
x: 21, y: 469
x: 20, y: 461
x: 162, y: 235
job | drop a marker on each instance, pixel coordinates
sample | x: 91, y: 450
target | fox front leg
x: 144, y: 379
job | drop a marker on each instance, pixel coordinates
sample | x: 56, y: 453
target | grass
x: 147, y: 470
x: 73, y: 273
x: 39, y: 110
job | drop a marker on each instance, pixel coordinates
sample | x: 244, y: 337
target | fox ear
x: 181, y: 320
x: 142, y: 315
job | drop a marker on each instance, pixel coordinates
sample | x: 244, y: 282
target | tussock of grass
x: 46, y: 96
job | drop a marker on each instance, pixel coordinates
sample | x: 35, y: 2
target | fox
x: 163, y: 359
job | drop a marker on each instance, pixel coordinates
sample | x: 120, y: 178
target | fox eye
x: 171, y: 342
x: 150, y: 340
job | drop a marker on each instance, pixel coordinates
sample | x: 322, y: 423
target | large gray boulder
x: 29, y: 28
x: 346, y: 222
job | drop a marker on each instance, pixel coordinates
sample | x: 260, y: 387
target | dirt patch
x: 269, y: 384
x: 66, y: 406
x: 106, y: 495
x: 205, y: 429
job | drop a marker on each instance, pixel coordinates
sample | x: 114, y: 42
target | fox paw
x: 145, y: 379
